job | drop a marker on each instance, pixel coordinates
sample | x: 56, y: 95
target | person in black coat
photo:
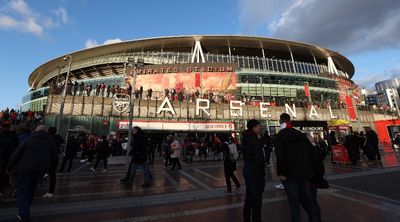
x: 102, y: 153
x: 253, y: 171
x: 318, y: 181
x: 53, y: 168
x: 352, y: 146
x: 373, y: 144
x: 295, y: 168
x: 32, y: 160
x: 7, y: 147
x: 267, y: 147
x: 70, y: 152
x: 139, y: 158
x: 229, y: 165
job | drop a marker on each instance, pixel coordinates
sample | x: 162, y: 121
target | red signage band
x: 350, y: 108
x: 306, y: 90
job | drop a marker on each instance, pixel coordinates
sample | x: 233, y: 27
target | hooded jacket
x: 293, y: 154
x: 139, y: 152
x: 252, y: 151
x: 36, y: 154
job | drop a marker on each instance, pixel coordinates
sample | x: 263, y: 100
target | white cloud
x: 7, y: 21
x: 351, y: 26
x: 111, y: 41
x: 370, y: 80
x: 27, y: 25
x: 90, y: 43
x: 21, y: 7
x: 18, y: 15
x: 62, y: 14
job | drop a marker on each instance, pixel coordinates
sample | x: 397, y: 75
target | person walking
x: 70, y: 152
x: 176, y: 153
x: 167, y: 151
x: 32, y: 160
x: 53, y: 168
x: 228, y: 150
x: 253, y: 171
x: 150, y: 151
x: 295, y: 168
x: 267, y: 147
x: 318, y: 155
x: 353, y: 148
x: 373, y: 142
x: 139, y: 158
x: 102, y: 154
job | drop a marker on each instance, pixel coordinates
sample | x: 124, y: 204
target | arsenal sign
x: 121, y: 102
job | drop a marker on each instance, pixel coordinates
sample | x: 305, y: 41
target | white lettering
x: 236, y: 106
x: 203, y: 108
x: 330, y: 112
x: 264, y: 110
x: 313, y: 112
x: 169, y: 107
x: 292, y: 111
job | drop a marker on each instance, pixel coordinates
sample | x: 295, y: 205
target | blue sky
x: 33, y: 32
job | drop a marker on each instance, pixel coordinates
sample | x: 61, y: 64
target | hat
x: 252, y: 123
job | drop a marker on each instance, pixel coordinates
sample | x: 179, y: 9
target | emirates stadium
x: 194, y: 84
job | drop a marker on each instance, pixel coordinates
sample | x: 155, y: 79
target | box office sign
x: 180, y: 126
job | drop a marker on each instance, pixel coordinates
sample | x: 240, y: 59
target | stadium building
x: 195, y: 84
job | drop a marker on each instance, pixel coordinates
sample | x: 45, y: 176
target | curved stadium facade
x: 236, y: 74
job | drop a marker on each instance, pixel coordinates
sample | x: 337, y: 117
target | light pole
x: 140, y: 64
x: 262, y: 89
x: 60, y: 116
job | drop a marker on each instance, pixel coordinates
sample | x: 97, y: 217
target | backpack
x: 234, y: 155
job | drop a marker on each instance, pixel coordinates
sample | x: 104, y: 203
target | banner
x: 350, y: 108
x: 198, y: 81
x: 215, y: 82
x: 306, y: 90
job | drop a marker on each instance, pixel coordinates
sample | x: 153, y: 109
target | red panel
x: 306, y: 90
x: 350, y: 108
x: 382, y: 130
x: 197, y: 84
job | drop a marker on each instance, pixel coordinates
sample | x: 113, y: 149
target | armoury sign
x: 236, y: 109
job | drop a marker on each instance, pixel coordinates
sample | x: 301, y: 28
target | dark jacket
x: 72, y: 147
x: 318, y: 156
x: 103, y: 149
x: 253, y: 156
x: 139, y: 152
x: 353, y: 147
x: 36, y: 154
x: 58, y: 140
x: 372, y: 138
x: 23, y: 137
x: 229, y: 165
x: 7, y: 147
x: 293, y: 154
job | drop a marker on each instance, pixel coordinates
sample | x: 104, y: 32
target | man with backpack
x: 230, y: 156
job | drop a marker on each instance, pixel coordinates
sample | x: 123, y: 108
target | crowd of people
x: 27, y: 157
x: 361, y: 147
x: 21, y: 119
x: 104, y: 90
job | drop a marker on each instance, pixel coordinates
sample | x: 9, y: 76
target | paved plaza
x: 197, y: 193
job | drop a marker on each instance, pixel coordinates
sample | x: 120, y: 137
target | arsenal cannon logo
x: 121, y: 102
